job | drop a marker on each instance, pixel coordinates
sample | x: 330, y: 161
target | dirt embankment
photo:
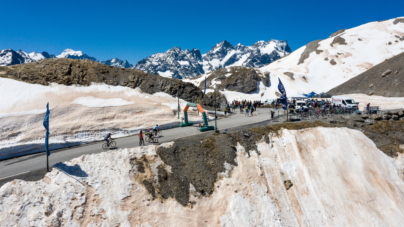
x: 384, y: 79
x: 84, y: 72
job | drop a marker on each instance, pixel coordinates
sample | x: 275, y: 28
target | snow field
x: 79, y: 114
x: 332, y: 186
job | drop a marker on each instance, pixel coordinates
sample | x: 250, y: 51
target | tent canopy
x: 310, y: 94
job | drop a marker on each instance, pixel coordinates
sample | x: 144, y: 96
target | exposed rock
x: 326, y: 59
x: 386, y: 117
x: 338, y: 40
x: 331, y: 121
x: 401, y: 113
x: 401, y: 146
x: 332, y: 62
x: 310, y: 47
x: 84, y: 72
x: 385, y: 73
x: 370, y: 93
x: 278, y: 94
x: 377, y: 117
x: 288, y: 184
x: 369, y: 122
x: 398, y: 20
x: 365, y: 116
x: 395, y: 117
x: 337, y: 33
x: 376, y: 80
x: 290, y: 75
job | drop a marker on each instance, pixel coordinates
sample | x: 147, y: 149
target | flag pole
x: 47, y: 151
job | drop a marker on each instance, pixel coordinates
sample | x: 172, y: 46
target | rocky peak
x: 117, y: 63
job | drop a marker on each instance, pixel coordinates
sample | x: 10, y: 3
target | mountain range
x: 175, y: 63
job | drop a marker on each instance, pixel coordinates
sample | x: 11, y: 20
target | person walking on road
x: 141, y: 141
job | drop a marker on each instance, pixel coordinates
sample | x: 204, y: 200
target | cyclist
x: 156, y: 128
x: 107, y: 138
x: 151, y: 134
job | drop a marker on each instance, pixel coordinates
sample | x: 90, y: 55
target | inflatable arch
x: 205, y: 120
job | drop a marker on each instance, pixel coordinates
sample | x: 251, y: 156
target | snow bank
x: 385, y: 103
x: 78, y: 114
x: 339, y: 178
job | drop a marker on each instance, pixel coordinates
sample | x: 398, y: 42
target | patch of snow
x: 167, y: 73
x: 91, y: 101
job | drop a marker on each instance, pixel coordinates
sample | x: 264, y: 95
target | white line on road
x: 14, y: 175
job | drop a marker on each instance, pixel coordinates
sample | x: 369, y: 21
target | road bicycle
x: 150, y: 139
x: 158, y: 133
x: 112, y: 145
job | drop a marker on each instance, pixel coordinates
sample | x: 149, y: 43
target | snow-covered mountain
x: 69, y: 53
x: 118, y: 63
x: 11, y: 57
x: 324, y: 64
x: 261, y: 53
x: 177, y: 63
x: 39, y: 56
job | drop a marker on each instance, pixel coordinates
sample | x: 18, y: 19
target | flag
x: 283, y: 98
x: 46, y: 125
x: 205, y: 86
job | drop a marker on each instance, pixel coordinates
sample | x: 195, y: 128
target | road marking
x: 14, y: 175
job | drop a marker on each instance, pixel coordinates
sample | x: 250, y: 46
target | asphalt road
x: 33, y: 167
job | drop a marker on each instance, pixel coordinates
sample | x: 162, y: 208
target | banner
x: 205, y: 86
x: 283, y: 98
x: 46, y: 125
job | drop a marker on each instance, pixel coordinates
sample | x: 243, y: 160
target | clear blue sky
x: 133, y: 30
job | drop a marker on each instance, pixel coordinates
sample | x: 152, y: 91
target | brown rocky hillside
x: 384, y: 79
x: 84, y: 72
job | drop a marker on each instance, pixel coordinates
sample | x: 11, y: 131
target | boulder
x: 365, y: 116
x: 387, y: 72
x: 369, y: 122
x: 395, y: 117
x: 401, y: 146
x: 331, y: 121
x: 386, y: 117
x: 376, y: 117
x: 401, y: 113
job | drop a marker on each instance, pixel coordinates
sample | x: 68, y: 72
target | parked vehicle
x: 344, y: 101
x: 299, y: 104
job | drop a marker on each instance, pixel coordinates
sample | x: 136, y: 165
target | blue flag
x: 283, y: 98
x: 205, y: 86
x: 46, y: 125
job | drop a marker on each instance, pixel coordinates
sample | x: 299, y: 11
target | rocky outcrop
x: 384, y: 79
x: 310, y: 47
x: 84, y: 72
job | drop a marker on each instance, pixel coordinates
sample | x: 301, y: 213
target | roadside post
x: 215, y: 113
x: 178, y: 97
x: 46, y: 125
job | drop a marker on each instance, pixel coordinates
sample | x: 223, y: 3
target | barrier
x: 205, y: 120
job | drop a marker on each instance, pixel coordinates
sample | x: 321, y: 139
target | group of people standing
x: 246, y: 106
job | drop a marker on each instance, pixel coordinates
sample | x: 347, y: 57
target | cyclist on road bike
x: 156, y: 128
x: 151, y: 133
x: 107, y: 138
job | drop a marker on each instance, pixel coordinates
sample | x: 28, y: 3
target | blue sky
x: 133, y: 30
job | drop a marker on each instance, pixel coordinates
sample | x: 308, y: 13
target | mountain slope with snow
x: 324, y: 64
x: 180, y: 64
x: 311, y: 177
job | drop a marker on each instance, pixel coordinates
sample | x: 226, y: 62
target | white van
x: 299, y: 104
x: 344, y: 101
